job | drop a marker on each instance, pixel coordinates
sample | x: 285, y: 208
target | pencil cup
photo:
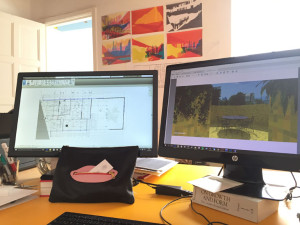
x: 9, y: 172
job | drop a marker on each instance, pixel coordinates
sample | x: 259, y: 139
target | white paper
x: 10, y: 193
x: 102, y: 167
x: 3, y: 192
x: 214, y: 183
x: 19, y: 201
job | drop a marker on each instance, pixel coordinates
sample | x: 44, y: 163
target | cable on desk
x: 209, y: 222
x: 184, y: 194
x: 136, y: 182
x: 169, y: 203
x: 166, y: 189
x: 165, y: 206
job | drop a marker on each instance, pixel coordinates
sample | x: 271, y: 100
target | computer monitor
x: 239, y: 111
x: 84, y: 109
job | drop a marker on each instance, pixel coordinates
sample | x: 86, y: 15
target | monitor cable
x: 290, y: 194
x: 162, y: 189
x: 173, y: 191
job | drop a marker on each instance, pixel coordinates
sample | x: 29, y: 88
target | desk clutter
x: 8, y: 167
x: 179, y: 213
x: 153, y: 166
x: 12, y: 194
x: 144, y: 168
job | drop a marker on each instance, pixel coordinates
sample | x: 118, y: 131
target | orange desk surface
x: 146, y: 207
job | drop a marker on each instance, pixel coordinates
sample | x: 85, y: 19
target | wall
x: 216, y: 25
x: 216, y: 19
x: 21, y: 8
x: 216, y: 22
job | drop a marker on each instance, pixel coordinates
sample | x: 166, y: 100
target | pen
x: 5, y: 166
x: 9, y: 159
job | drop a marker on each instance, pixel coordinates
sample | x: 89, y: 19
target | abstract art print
x: 148, y: 48
x: 184, y: 15
x: 147, y: 20
x: 116, y: 51
x: 184, y: 44
x: 115, y: 25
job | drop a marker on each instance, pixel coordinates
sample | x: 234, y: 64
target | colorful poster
x: 184, y: 15
x: 116, y: 51
x: 148, y: 48
x: 115, y: 25
x: 184, y: 44
x: 147, y: 20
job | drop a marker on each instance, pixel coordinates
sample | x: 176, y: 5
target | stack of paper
x: 12, y: 195
x: 153, y: 166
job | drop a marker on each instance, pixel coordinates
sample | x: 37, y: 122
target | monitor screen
x: 84, y: 109
x: 240, y: 111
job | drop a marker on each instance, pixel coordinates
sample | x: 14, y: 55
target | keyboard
x: 81, y: 219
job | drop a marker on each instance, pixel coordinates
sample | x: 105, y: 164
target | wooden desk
x: 146, y: 207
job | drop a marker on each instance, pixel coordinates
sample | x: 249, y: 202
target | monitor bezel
x: 32, y: 153
x: 277, y: 161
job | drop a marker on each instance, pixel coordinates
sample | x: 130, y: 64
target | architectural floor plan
x: 59, y: 116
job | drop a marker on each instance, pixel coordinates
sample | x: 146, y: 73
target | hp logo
x: 235, y: 158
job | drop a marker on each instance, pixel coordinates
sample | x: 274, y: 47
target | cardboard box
x: 251, y: 209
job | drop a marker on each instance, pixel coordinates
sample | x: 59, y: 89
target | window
x: 264, y: 26
x: 70, y: 46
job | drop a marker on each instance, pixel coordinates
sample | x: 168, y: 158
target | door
x: 22, y: 49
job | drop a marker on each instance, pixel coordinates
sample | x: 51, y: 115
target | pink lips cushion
x: 83, y: 175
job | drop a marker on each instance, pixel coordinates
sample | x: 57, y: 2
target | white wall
x: 21, y: 8
x: 216, y: 21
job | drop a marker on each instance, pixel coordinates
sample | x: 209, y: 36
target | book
x: 154, y: 166
x: 252, y: 209
x: 140, y: 176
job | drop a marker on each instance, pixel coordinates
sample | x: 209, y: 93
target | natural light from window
x: 70, y: 46
x: 264, y: 26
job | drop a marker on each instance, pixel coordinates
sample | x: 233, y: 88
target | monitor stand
x: 253, y: 183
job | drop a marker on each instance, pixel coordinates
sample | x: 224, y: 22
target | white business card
x: 214, y: 183
x: 102, y: 167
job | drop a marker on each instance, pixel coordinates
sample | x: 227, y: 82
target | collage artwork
x: 139, y: 36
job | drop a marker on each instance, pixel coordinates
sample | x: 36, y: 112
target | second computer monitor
x: 84, y: 109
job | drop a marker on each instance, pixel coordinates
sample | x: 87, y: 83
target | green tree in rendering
x: 193, y: 102
x: 287, y: 87
x: 238, y: 99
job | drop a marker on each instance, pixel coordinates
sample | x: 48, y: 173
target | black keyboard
x: 85, y: 219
